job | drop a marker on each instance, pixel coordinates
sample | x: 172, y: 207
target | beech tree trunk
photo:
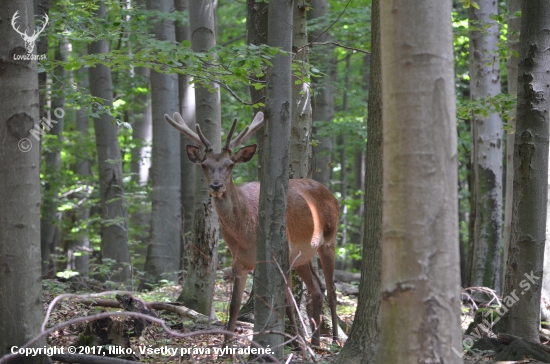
x: 142, y: 132
x: 50, y: 234
x: 359, y: 155
x: 198, y: 289
x: 80, y: 249
x: 363, y: 340
x: 21, y: 310
x: 164, y: 251
x: 526, y: 252
x: 114, y: 232
x: 420, y: 259
x: 323, y: 104
x: 300, y: 140
x: 187, y: 107
x: 256, y: 33
x: 514, y: 25
x: 486, y: 149
x: 272, y: 253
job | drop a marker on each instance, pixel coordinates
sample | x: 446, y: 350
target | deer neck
x: 231, y: 207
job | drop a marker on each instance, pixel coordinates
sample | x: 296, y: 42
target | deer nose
x: 216, y: 186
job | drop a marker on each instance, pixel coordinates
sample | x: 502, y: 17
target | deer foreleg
x: 240, y: 275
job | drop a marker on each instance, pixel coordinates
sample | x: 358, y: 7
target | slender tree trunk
x: 80, y: 248
x: 187, y: 107
x: 198, y: 289
x: 323, y: 105
x: 21, y: 310
x: 142, y: 132
x: 514, y: 25
x: 359, y: 157
x: 83, y: 169
x: 256, y: 33
x: 164, y: 251
x: 343, y: 162
x: 272, y: 253
x: 363, y: 341
x: 300, y: 141
x: 420, y: 261
x: 41, y: 7
x: 114, y: 232
x: 526, y: 252
x: 50, y: 234
x: 486, y: 148
x: 141, y: 118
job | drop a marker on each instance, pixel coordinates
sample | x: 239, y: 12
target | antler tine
x: 205, y: 142
x: 256, y: 124
x: 182, y: 127
x: 228, y: 139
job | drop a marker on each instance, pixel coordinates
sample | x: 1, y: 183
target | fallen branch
x: 346, y: 277
x: 347, y: 289
x: 519, y: 349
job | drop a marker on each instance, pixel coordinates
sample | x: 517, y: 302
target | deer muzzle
x: 216, y: 189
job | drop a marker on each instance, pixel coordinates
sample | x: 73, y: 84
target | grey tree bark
x: 526, y: 252
x: 363, y: 341
x: 142, y: 131
x: 20, y: 276
x: 514, y: 25
x: 50, y: 235
x: 300, y: 140
x: 323, y: 104
x: 141, y: 118
x: 114, y: 232
x: 256, y: 33
x: 80, y: 249
x: 486, y: 148
x: 341, y: 147
x: 198, y: 289
x: 272, y: 253
x: 420, y: 260
x: 42, y: 7
x: 187, y: 107
x: 359, y: 155
x: 164, y: 251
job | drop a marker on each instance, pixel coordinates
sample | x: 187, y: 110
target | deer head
x: 29, y: 40
x: 218, y: 167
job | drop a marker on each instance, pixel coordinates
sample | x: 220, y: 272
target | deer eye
x: 203, y: 166
x: 232, y: 165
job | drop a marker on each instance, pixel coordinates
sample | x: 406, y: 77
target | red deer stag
x: 311, y: 218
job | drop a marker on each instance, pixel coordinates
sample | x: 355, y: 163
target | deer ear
x: 244, y: 154
x: 194, y: 154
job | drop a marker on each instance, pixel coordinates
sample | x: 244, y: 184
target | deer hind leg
x: 290, y: 311
x: 240, y: 275
x: 327, y: 256
x: 314, y: 288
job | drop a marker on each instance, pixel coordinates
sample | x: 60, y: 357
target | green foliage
x: 469, y: 4
x: 235, y: 67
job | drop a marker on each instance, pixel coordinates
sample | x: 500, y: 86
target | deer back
x: 312, y: 220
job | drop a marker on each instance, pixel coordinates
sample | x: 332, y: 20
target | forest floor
x: 196, y: 348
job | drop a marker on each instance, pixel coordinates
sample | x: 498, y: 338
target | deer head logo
x: 29, y: 40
